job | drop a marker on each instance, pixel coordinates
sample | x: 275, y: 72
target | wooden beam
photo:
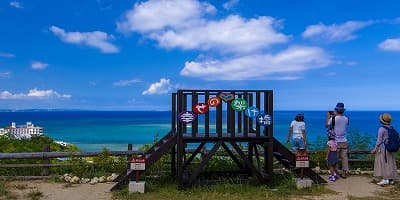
x: 190, y: 159
x: 249, y: 165
x: 204, y: 162
x: 233, y: 156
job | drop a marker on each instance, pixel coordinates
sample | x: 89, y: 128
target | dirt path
x: 62, y: 191
x: 356, y: 186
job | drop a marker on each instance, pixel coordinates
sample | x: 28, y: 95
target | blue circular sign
x: 252, y: 112
x: 264, y: 119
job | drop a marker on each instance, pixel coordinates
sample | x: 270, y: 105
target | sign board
x: 186, y: 116
x: 138, y: 164
x: 264, y: 119
x: 302, y: 161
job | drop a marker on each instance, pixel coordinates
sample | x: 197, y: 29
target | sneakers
x: 335, y: 175
x: 332, y: 178
x: 383, y: 182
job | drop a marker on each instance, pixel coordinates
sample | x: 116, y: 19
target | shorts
x: 332, y: 158
x: 298, y: 143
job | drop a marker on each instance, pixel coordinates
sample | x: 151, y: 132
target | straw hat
x: 385, y: 118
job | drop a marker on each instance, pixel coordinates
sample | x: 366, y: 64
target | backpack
x: 392, y: 142
x: 331, y: 129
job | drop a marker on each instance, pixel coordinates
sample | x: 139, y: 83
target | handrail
x: 25, y: 155
x: 29, y: 155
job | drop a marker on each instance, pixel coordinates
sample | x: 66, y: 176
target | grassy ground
x: 167, y: 189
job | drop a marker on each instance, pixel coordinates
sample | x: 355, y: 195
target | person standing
x: 332, y: 158
x: 340, y: 125
x: 385, y: 161
x: 297, y: 131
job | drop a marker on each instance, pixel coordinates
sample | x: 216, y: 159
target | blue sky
x: 131, y: 55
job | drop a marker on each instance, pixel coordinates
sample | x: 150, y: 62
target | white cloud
x: 392, y: 44
x: 182, y: 24
x: 232, y: 34
x: 335, y: 32
x: 122, y: 83
x: 230, y: 4
x: 281, y: 66
x: 15, y: 4
x: 97, y: 39
x: 5, y: 74
x: 37, y: 65
x: 247, y: 44
x: 6, y: 55
x: 34, y: 94
x: 155, y: 15
x: 162, y: 87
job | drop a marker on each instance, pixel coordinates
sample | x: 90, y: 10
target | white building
x: 3, y: 131
x: 25, y: 131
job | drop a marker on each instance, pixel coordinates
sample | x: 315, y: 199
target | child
x: 331, y: 157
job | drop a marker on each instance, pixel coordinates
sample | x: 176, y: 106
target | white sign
x: 138, y: 164
x: 302, y: 163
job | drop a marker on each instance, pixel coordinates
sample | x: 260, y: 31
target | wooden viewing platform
x: 220, y: 119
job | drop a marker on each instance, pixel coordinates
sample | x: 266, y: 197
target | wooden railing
x: 46, y: 156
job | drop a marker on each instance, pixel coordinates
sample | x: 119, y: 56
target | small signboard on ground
x: 138, y: 163
x: 302, y: 161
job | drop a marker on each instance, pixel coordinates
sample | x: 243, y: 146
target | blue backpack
x: 392, y: 142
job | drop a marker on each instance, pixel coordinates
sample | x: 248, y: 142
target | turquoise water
x: 95, y: 130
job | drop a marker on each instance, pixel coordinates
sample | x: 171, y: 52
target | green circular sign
x: 239, y: 104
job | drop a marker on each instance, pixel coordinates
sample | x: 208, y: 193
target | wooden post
x: 129, y: 157
x: 173, y: 161
x: 46, y: 161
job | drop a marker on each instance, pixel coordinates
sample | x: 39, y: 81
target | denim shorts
x: 298, y: 143
x: 332, y: 158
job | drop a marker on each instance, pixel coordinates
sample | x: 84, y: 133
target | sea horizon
x: 94, y: 130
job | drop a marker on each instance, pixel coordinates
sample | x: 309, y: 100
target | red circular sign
x: 214, y: 101
x: 200, y: 108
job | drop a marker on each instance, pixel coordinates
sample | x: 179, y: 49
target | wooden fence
x: 46, y: 156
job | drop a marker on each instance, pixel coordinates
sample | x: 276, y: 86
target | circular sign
x: 239, y: 104
x: 252, y: 112
x: 214, y: 101
x: 200, y: 108
x: 187, y: 116
x: 264, y: 119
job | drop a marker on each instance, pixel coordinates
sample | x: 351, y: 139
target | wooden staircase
x: 152, y: 155
x: 288, y: 159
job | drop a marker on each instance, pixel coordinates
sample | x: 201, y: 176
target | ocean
x: 95, y: 130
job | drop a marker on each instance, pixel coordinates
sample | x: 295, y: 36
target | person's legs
x: 297, y: 143
x: 343, y: 148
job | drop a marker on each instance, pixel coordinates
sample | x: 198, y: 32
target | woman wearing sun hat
x: 385, y: 162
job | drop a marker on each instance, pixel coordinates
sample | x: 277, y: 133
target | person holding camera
x: 339, y: 124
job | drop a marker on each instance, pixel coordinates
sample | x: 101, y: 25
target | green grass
x: 283, y: 187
